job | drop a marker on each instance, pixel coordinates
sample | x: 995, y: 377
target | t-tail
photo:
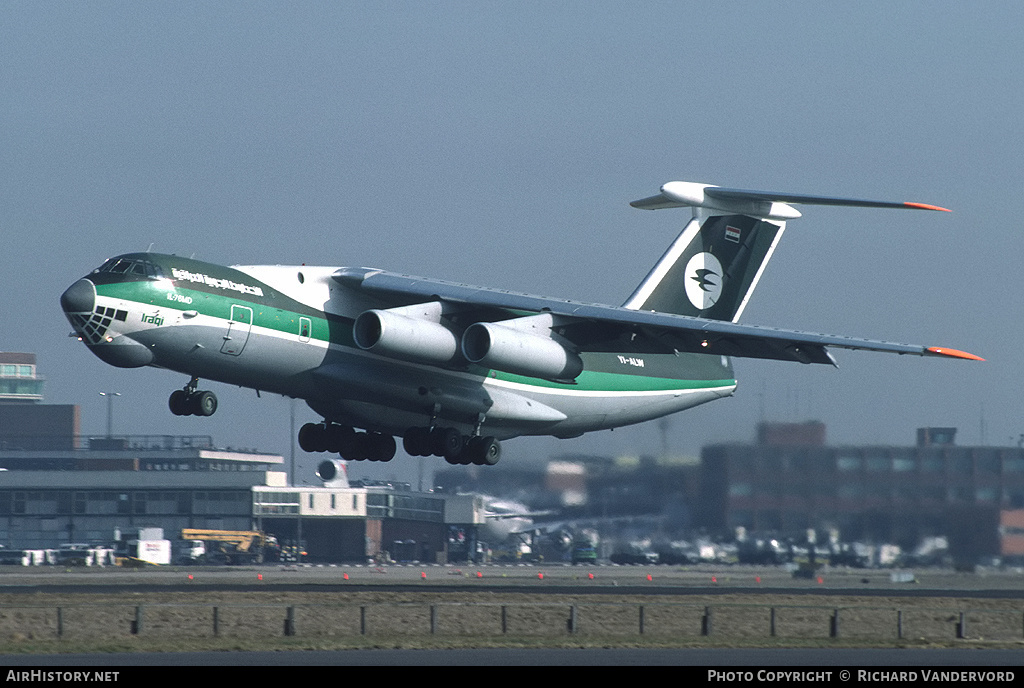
x: 713, y: 266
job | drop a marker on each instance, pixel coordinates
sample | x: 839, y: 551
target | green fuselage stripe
x: 595, y: 380
x: 284, y: 318
x: 337, y: 330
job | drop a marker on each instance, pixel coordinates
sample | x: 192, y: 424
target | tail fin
x: 713, y: 266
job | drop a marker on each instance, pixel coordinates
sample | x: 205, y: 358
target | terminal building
x: 791, y: 480
x: 59, y: 486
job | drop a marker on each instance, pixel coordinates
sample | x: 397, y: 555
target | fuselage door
x: 238, y: 330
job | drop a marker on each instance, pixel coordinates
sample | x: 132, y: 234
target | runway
x: 538, y: 579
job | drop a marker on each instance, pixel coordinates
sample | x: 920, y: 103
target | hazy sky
x: 500, y: 144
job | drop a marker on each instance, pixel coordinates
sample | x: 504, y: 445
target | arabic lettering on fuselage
x: 202, y: 278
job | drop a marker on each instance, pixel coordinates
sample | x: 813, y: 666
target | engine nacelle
x: 514, y: 351
x: 333, y: 473
x: 394, y: 333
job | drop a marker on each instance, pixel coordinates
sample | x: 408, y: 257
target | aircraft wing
x: 586, y: 324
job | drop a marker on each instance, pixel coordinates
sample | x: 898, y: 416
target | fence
x: 489, y: 619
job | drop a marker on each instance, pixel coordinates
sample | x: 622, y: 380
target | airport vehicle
x: 188, y: 551
x: 454, y: 369
x: 144, y: 553
x: 73, y: 554
x: 232, y: 546
x: 584, y: 551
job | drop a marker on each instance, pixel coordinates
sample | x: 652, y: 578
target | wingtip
x: 953, y: 353
x: 927, y: 206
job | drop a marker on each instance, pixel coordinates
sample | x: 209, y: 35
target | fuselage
x: 289, y: 330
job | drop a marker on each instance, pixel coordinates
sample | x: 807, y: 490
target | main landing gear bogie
x: 346, y: 442
x: 192, y: 402
x: 456, y: 448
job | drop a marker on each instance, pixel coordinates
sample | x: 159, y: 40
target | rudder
x: 711, y: 269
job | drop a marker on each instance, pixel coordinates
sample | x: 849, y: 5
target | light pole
x: 110, y: 411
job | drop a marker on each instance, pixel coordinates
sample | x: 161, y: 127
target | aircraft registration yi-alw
x: 454, y: 369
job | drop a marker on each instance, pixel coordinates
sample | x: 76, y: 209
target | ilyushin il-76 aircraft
x: 453, y: 369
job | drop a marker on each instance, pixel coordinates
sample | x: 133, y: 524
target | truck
x: 188, y: 551
x: 145, y: 546
x: 145, y: 553
x: 584, y: 547
x: 232, y: 546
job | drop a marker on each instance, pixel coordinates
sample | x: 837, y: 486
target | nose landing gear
x: 192, y: 402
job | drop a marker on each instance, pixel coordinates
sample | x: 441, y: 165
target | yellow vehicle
x: 233, y: 546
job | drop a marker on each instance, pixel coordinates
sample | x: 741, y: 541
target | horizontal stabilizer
x: 735, y: 194
x: 768, y: 204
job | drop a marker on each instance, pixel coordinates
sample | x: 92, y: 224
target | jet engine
x: 514, y: 351
x: 333, y: 473
x: 412, y: 333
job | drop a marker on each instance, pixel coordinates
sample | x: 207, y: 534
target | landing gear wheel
x: 339, y: 438
x: 456, y: 448
x: 447, y: 442
x: 178, y: 403
x: 415, y: 442
x: 383, y: 447
x: 192, y: 402
x: 491, y: 451
x: 371, y: 446
x: 361, y: 450
x: 311, y: 437
x: 203, y: 403
x: 483, y: 451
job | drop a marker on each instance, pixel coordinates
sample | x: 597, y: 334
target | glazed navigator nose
x: 80, y: 297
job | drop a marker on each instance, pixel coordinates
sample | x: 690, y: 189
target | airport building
x: 791, y: 480
x: 58, y: 486
x: 24, y: 421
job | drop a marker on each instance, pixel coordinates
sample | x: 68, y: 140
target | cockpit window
x: 134, y: 266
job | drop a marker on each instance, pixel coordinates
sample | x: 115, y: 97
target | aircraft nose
x: 80, y: 297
